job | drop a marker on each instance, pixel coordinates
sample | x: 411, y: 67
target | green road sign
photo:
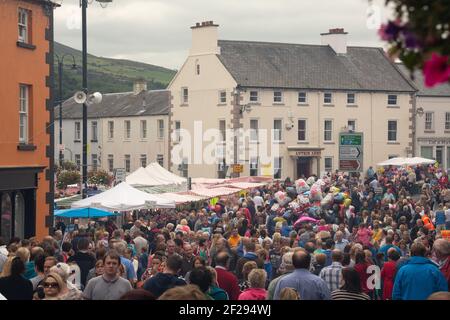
x: 351, y: 151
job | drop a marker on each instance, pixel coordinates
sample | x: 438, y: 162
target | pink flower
x: 436, y: 70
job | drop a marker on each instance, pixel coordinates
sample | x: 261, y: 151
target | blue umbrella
x: 83, y: 213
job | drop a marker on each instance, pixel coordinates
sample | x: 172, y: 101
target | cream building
x: 292, y: 100
x: 432, y: 139
x: 127, y: 130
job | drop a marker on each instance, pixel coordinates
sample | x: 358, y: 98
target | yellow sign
x: 267, y: 170
x: 213, y: 201
x: 238, y: 168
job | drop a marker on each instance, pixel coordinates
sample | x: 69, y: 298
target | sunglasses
x: 51, y: 285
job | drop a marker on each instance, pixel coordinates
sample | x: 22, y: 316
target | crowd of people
x: 383, y: 235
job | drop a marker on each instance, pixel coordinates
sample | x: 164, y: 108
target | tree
x: 64, y: 178
x: 99, y: 177
x: 420, y: 37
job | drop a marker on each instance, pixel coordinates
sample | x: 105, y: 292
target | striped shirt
x: 347, y: 295
x: 332, y: 275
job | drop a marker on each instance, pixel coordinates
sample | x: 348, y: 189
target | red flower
x: 436, y: 70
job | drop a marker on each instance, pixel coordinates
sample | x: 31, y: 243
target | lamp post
x: 60, y: 99
x: 84, y: 5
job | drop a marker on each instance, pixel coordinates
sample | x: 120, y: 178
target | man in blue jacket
x: 419, y: 277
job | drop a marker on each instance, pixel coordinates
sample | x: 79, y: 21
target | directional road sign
x: 351, y: 155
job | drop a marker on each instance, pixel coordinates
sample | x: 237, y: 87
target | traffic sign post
x: 351, y: 154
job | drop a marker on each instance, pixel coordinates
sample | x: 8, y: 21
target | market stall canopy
x: 142, y: 177
x: 213, y: 192
x: 124, y: 197
x: 244, y: 185
x: 83, y: 213
x: 399, y: 161
x: 156, y: 171
x: 182, y: 198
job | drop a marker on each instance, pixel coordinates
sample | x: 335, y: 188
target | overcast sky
x: 158, y: 31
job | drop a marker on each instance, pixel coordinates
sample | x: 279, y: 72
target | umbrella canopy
x: 399, y: 161
x: 83, y: 213
x: 124, y: 197
x: 305, y: 219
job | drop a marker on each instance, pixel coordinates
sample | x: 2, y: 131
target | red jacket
x: 228, y: 282
x: 445, y: 269
x: 388, y: 277
x: 361, y: 268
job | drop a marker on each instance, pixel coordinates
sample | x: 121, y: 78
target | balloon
x: 347, y: 202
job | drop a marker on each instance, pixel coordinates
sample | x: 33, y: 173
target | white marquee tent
x: 154, y: 175
x: 399, y: 161
x: 124, y: 197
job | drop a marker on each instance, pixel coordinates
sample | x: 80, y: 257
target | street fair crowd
x: 379, y: 235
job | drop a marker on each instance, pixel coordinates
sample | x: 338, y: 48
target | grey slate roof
x: 298, y: 66
x: 442, y: 90
x: 124, y: 104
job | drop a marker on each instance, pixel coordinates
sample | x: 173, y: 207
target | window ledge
x: 127, y: 140
x: 393, y: 142
x: 254, y: 142
x: 221, y: 104
x: 255, y: 103
x: 77, y: 141
x: 352, y: 106
x: 393, y: 106
x: 278, y: 103
x: 278, y: 142
x: 303, y: 104
x: 328, y: 105
x: 26, y: 147
x: 328, y: 142
x: 184, y: 105
x: 429, y: 131
x: 25, y: 45
x: 447, y: 131
x: 94, y: 141
x: 302, y: 142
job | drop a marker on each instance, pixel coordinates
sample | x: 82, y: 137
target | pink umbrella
x: 305, y: 219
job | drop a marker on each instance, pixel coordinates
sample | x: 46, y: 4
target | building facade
x: 127, y: 130
x: 289, y: 101
x: 432, y: 134
x: 26, y: 165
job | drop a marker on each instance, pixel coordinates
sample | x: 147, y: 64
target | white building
x: 127, y: 130
x: 304, y: 95
x: 433, y: 124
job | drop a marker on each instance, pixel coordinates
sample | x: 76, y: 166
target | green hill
x: 107, y: 75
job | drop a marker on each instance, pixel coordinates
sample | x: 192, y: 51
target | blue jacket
x: 418, y: 279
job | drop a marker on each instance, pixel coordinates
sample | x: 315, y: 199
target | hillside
x: 107, y: 75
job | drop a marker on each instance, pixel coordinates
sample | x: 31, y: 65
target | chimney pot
x: 197, y: 24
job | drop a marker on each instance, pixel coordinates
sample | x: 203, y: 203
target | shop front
x: 18, y: 201
x: 306, y: 161
x: 437, y: 149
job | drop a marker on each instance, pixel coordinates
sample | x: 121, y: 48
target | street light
x: 60, y: 99
x: 84, y: 5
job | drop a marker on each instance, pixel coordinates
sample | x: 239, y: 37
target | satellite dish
x: 80, y: 97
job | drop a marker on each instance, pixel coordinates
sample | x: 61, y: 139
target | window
x: 253, y: 130
x: 24, y: 16
x: 77, y: 131
x: 426, y: 152
x: 223, y: 130
x: 222, y: 97
x: 277, y: 136
x: 429, y: 121
x: 160, y: 159
x: 160, y: 129
x: 277, y: 168
x: 110, y: 162
x: 183, y: 168
x: 392, y: 99
x: 302, y: 97
x: 23, y: 113
x: 127, y: 162
x: 301, y: 130
x: 328, y: 130
x: 254, y: 96
x: 392, y: 130
x: 351, y: 125
x: 327, y: 98
x: 277, y: 97
x: 222, y: 169
x: 198, y: 69
x: 94, y: 131
x: 184, y: 95
x: 447, y: 121
x: 94, y: 162
x: 110, y: 129
x: 19, y: 216
x: 177, y: 131
x: 78, y: 161
x: 329, y: 164
x: 143, y: 160
x: 143, y: 129
x: 351, y: 98
x: 127, y: 128
x: 253, y: 166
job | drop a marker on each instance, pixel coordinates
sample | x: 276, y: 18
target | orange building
x: 26, y: 118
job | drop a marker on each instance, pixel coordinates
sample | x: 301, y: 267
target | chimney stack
x: 204, y: 38
x: 139, y: 85
x: 337, y: 39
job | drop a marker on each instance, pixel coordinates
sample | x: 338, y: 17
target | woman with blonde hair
x: 246, y: 269
x: 54, y: 286
x: 257, y: 279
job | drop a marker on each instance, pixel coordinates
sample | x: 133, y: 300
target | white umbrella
x: 124, y: 197
x: 419, y: 160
